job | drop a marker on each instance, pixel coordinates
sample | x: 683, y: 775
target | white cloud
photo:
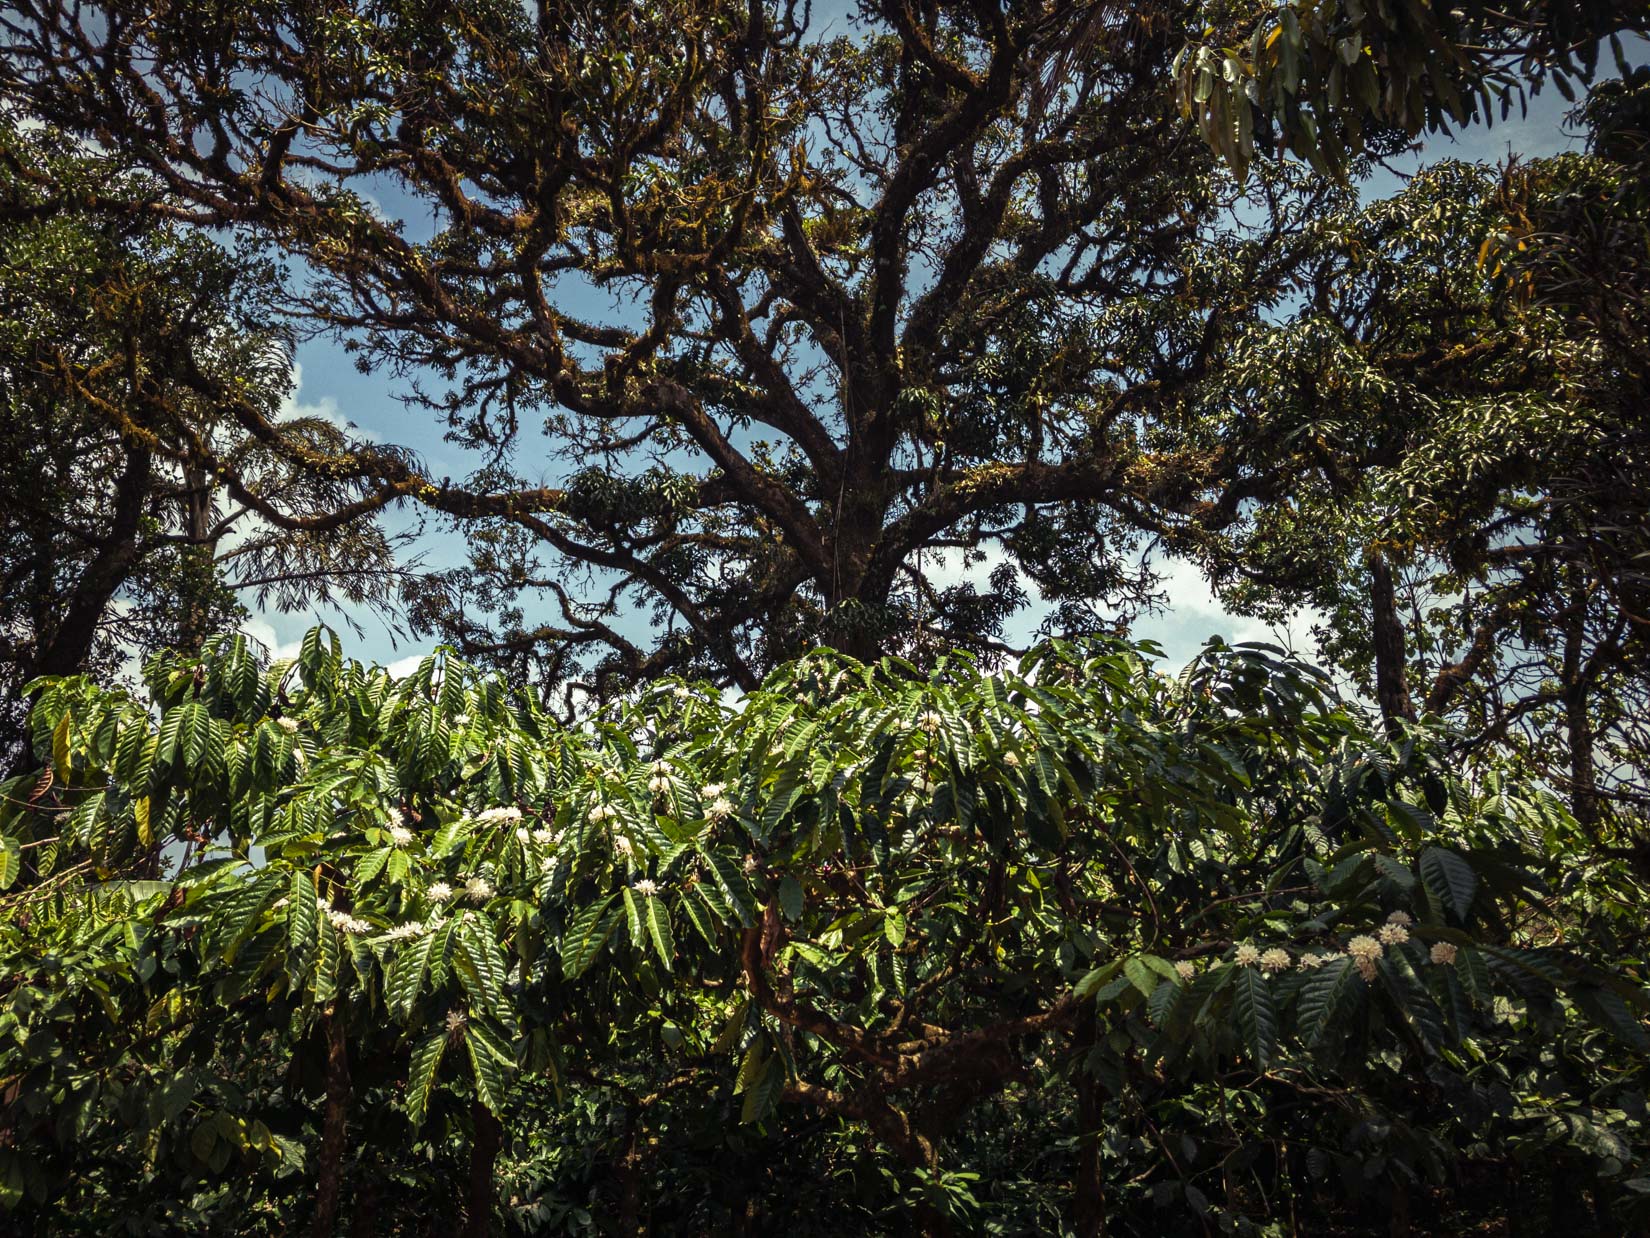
x: 323, y: 408
x: 402, y: 667
x: 1194, y: 614
x: 262, y: 631
x: 944, y: 568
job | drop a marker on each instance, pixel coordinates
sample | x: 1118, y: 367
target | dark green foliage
x: 891, y: 927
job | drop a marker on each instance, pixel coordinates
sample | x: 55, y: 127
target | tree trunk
x: 364, y: 1221
x: 629, y: 1176
x: 66, y: 650
x: 484, y: 1150
x: 1583, y: 771
x: 1387, y: 631
x: 1088, y: 1203
x: 334, y: 1126
x: 63, y: 648
x: 195, y: 623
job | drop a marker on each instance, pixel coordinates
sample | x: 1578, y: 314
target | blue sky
x: 329, y: 383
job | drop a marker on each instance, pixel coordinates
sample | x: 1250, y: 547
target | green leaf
x: 60, y: 748
x: 204, y: 1138
x: 426, y: 1060
x: 1474, y: 974
x: 406, y: 975
x: 493, y: 1038
x: 11, y: 860
x: 756, y: 1056
x: 1257, y: 1019
x: 786, y: 790
x: 790, y: 898
x: 658, y: 925
x: 323, y: 981
x: 369, y: 866
x: 490, y: 1074
x: 694, y: 907
x: 1450, y: 879
x: 1408, y: 820
x: 633, y: 915
x: 728, y: 1039
x: 730, y: 879
x: 893, y: 927
x: 586, y: 936
x: 194, y: 733
x: 236, y: 916
x: 1329, y: 997
x: 1141, y: 975
x: 302, y: 921
x: 481, y: 967
x: 1607, y: 1009
x: 1091, y: 984
x: 763, y: 1091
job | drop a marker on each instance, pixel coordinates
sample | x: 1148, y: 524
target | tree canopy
x: 126, y: 528
x: 1460, y: 388
x: 798, y: 304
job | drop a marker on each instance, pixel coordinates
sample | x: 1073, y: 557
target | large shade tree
x: 120, y: 536
x: 934, y: 277
x: 1459, y: 388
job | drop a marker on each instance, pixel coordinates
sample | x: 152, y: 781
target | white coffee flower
x: 658, y: 784
x: 289, y: 725
x: 456, y: 1022
x: 646, y: 887
x: 1275, y: 960
x: 461, y: 720
x: 720, y: 809
x: 1312, y: 961
x: 400, y: 835
x: 396, y: 817
x: 1364, y: 949
x: 1246, y: 956
x: 713, y: 790
x: 1400, y: 917
x: 478, y: 889
x: 440, y: 892
x: 1184, y: 969
x: 750, y: 865
x: 681, y: 692
x: 660, y: 767
x: 1393, y: 934
x: 523, y: 835
x: 407, y: 930
x: 930, y: 721
x: 1011, y: 759
x: 346, y: 923
x: 1443, y: 953
x: 624, y: 847
x: 545, y: 837
x: 498, y: 816
x: 602, y: 812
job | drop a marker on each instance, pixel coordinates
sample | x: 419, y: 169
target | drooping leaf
x: 1450, y: 880
x: 1257, y: 1019
x: 1328, y: 999
x: 586, y: 936
x: 421, y: 1072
